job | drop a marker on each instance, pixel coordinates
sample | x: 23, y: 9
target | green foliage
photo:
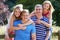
x: 56, y: 14
x: 29, y: 4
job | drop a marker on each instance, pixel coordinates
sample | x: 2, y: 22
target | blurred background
x: 6, y: 7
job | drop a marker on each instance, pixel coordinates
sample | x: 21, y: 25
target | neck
x: 45, y: 11
x: 39, y: 16
x: 24, y: 20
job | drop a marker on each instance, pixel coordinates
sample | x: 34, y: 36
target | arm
x: 32, y: 14
x: 48, y: 35
x: 27, y: 23
x: 12, y: 28
x: 50, y: 18
x: 50, y: 22
x: 43, y: 22
x: 46, y: 24
x: 33, y: 36
x: 33, y: 31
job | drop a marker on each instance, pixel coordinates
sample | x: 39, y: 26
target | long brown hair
x: 14, y: 14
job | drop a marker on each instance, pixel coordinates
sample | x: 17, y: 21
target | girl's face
x: 17, y: 12
x: 38, y: 9
x: 25, y: 16
x: 46, y: 6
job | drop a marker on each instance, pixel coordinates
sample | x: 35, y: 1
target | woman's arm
x: 12, y: 28
x: 46, y: 24
x: 43, y: 22
x: 50, y: 21
x: 27, y: 23
x: 32, y: 13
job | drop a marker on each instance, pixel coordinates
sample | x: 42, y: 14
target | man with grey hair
x: 41, y: 23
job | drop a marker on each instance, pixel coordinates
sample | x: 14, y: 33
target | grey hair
x: 38, y: 5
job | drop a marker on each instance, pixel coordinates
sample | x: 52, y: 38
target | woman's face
x: 25, y: 16
x: 38, y: 9
x: 46, y: 6
x: 17, y: 12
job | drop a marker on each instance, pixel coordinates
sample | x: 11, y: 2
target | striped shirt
x: 41, y: 29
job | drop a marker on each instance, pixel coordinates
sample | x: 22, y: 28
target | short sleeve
x: 33, y: 30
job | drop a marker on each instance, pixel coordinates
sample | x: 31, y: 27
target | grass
x: 55, y: 31
x: 54, y: 37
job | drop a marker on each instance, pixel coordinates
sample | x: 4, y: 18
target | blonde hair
x: 20, y: 7
x: 12, y: 14
x: 51, y: 9
x: 26, y: 10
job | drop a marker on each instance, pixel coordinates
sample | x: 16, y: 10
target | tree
x: 29, y: 4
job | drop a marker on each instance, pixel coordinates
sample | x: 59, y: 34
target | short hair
x: 38, y: 5
x: 24, y: 11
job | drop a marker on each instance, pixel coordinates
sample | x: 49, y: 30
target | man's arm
x: 33, y: 36
x: 48, y: 35
x: 43, y: 22
x: 12, y: 28
x: 33, y: 32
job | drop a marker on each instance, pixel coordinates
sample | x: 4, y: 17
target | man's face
x: 38, y: 10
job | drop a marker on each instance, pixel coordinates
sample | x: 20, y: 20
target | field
x: 54, y: 37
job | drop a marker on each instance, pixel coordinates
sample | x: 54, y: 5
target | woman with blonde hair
x: 47, y: 11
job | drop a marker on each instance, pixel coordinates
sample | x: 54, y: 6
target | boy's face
x: 25, y: 16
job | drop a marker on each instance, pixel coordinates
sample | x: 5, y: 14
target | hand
x: 46, y: 39
x: 20, y: 25
x: 38, y: 21
x: 22, y: 28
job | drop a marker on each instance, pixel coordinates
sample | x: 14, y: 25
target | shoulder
x: 45, y: 18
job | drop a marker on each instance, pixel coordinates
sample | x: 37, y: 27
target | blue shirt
x: 23, y: 34
x: 41, y: 29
